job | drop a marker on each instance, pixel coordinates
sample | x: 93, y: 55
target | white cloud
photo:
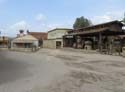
x: 52, y: 26
x: 20, y: 25
x: 65, y: 25
x: 42, y: 23
x: 13, y: 30
x: 108, y: 16
x: 101, y: 19
x: 3, y: 32
x: 40, y: 18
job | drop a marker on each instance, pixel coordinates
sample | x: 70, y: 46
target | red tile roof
x: 38, y: 35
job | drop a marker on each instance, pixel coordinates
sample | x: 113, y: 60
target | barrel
x: 88, y: 45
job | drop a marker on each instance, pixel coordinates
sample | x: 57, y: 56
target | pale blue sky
x: 43, y: 15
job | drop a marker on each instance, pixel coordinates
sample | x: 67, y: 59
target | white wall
x: 36, y: 43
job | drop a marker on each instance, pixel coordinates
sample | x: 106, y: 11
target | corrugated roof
x: 25, y: 38
x: 111, y: 22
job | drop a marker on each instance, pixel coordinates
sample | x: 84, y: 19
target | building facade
x: 40, y: 36
x: 55, y: 38
x: 102, y: 37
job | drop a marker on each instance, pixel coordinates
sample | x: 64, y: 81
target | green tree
x: 81, y: 22
x: 124, y: 18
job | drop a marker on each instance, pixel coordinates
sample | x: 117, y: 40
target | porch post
x: 100, y: 42
x: 64, y: 41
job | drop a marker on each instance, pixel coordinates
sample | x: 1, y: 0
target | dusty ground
x: 65, y: 70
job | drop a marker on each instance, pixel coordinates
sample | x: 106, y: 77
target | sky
x: 44, y: 15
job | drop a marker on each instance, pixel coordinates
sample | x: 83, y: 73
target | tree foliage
x: 124, y: 19
x: 81, y: 22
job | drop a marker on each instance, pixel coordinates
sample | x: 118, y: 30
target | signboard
x: 69, y: 36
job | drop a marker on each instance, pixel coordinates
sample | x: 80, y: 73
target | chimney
x: 21, y: 31
x: 27, y: 31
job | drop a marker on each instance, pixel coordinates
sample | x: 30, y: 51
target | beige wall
x: 57, y: 33
x: 51, y: 43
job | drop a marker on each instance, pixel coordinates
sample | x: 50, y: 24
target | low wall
x: 24, y: 49
x: 51, y: 43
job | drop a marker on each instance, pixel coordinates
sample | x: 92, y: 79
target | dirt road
x: 65, y: 70
x: 20, y: 72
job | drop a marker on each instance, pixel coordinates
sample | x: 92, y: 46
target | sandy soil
x: 65, y: 70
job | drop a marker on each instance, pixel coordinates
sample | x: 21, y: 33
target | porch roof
x: 25, y: 39
x: 104, y: 31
